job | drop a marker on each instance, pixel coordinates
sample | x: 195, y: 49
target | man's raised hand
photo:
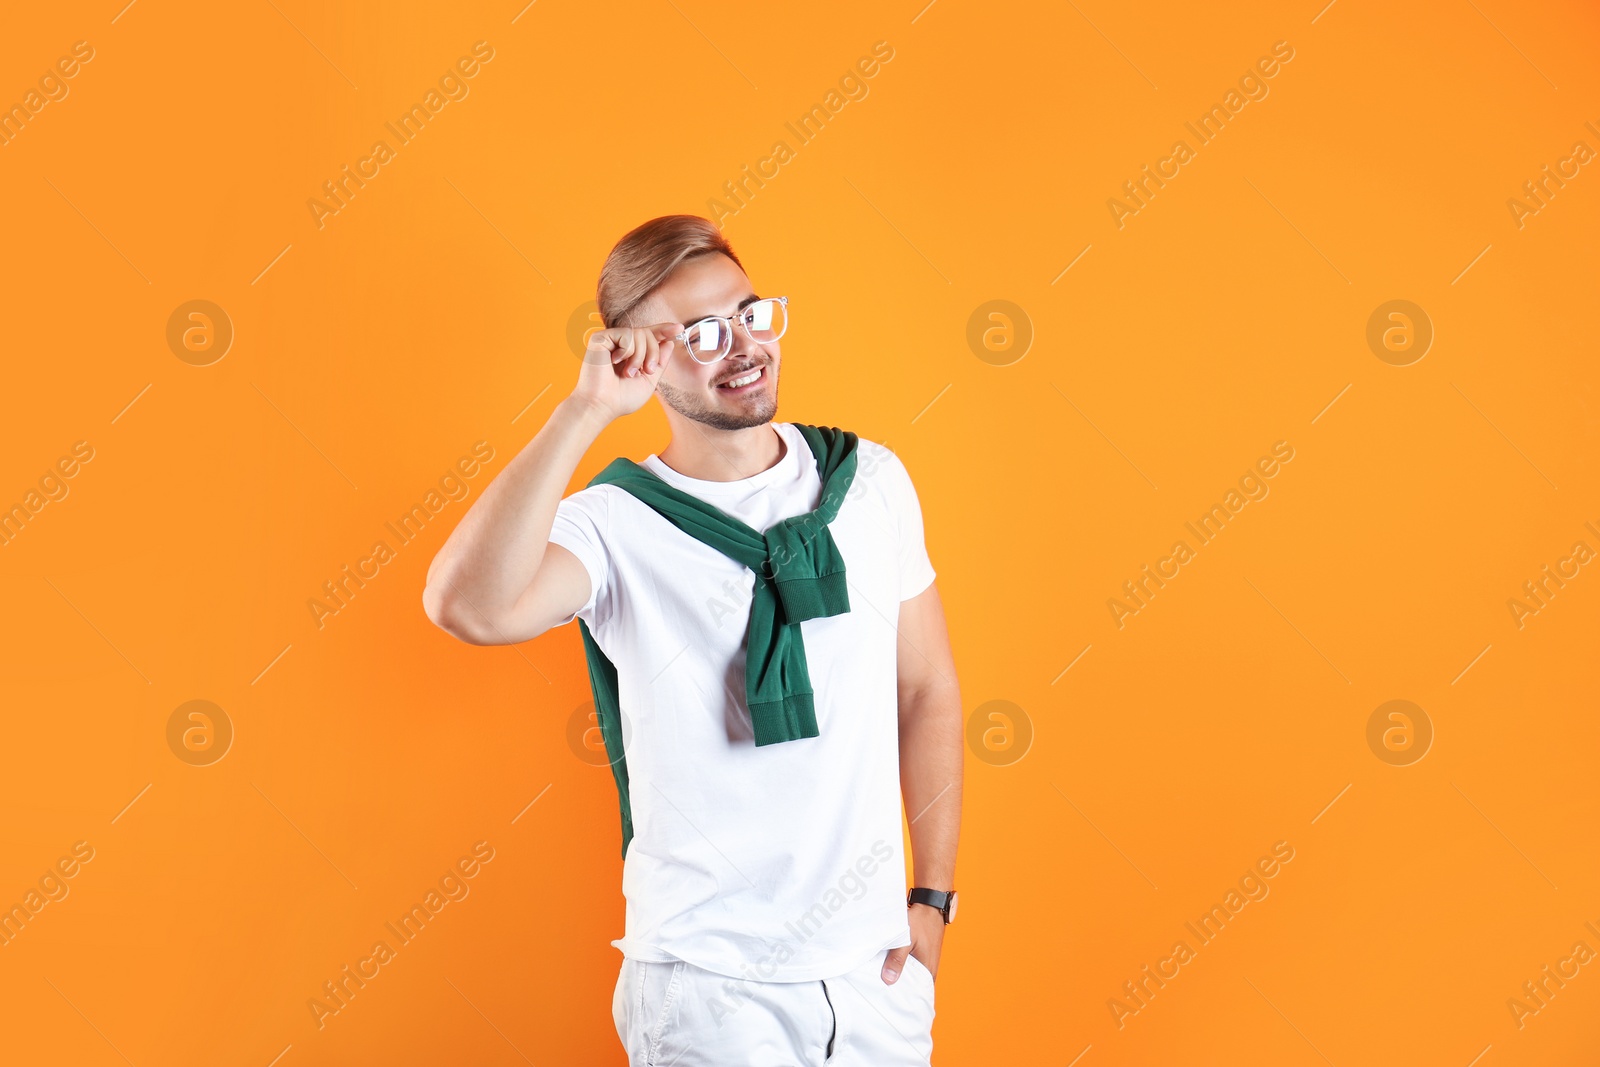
x: 621, y: 366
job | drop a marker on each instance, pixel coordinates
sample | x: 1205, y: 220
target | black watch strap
x: 934, y: 898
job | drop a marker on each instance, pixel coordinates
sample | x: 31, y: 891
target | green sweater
x: 799, y: 575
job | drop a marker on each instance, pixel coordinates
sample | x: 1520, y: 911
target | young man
x: 771, y: 673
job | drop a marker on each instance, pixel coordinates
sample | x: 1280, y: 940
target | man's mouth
x: 744, y: 382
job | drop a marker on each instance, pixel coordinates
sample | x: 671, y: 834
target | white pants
x: 679, y: 1015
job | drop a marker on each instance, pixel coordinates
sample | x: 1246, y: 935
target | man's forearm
x: 495, y: 551
x: 930, y: 781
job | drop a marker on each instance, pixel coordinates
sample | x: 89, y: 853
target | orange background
x: 432, y: 312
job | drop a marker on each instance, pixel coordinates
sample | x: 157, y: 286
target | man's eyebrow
x: 746, y: 302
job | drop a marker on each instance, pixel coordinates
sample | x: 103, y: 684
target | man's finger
x: 624, y: 347
x: 641, y: 341
x: 894, y: 963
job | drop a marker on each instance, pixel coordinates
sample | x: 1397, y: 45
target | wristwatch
x: 943, y: 903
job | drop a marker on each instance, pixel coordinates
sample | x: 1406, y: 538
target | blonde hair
x: 647, y: 255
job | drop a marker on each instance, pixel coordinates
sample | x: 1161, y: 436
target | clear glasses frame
x: 744, y: 317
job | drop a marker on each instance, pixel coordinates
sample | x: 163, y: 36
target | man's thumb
x: 893, y: 962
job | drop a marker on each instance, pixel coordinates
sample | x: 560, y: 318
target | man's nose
x: 744, y: 344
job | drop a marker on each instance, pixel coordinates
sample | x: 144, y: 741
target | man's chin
x: 723, y: 413
x: 741, y: 417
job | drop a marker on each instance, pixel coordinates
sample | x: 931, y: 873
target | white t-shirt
x: 784, y: 862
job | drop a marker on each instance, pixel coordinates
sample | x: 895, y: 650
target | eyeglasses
x: 764, y: 321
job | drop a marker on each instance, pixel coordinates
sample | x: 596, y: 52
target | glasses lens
x: 766, y: 319
x: 706, y: 337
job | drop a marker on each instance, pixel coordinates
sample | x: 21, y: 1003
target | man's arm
x: 931, y: 757
x: 498, y: 580
x: 489, y: 585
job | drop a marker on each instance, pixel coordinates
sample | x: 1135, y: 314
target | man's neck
x: 712, y: 455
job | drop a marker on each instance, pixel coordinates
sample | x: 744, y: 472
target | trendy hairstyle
x: 647, y: 255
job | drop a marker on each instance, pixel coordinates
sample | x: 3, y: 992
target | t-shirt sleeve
x: 916, y: 569
x: 580, y: 526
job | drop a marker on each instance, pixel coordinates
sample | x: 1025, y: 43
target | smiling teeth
x: 746, y: 380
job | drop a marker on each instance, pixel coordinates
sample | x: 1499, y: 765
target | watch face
x: 951, y: 903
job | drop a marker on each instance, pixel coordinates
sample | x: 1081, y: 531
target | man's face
x: 713, y: 285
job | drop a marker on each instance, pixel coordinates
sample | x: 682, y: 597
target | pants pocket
x: 643, y: 1006
x: 658, y: 997
x: 914, y: 964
